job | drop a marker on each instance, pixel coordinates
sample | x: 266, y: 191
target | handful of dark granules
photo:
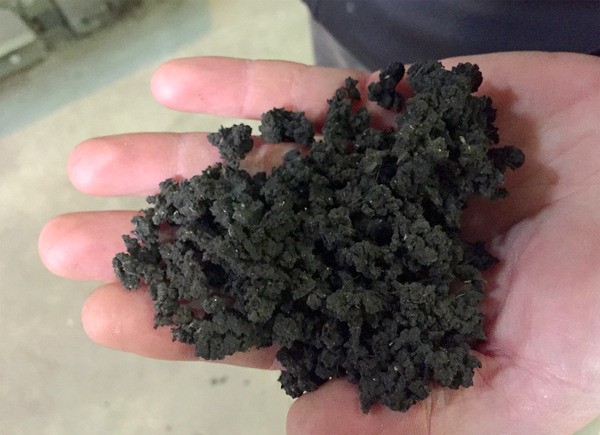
x: 348, y: 256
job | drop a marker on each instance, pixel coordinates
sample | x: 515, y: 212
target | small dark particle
x: 343, y: 125
x: 279, y: 125
x: 506, y: 157
x: 233, y: 142
x: 347, y: 257
x: 384, y: 91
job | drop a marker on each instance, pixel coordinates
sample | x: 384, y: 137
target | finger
x: 82, y: 245
x: 135, y: 164
x: 248, y: 88
x: 245, y: 88
x: 131, y: 164
x: 123, y: 320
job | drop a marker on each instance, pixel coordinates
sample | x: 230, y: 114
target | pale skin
x: 541, y: 359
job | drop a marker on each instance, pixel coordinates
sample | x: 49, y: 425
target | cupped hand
x: 541, y: 359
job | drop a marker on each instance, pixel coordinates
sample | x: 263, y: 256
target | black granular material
x: 348, y: 257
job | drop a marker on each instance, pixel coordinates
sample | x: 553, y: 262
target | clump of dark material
x: 279, y: 125
x: 349, y: 258
x: 384, y: 91
x: 233, y: 142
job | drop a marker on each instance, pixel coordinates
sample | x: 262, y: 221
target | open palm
x: 541, y: 360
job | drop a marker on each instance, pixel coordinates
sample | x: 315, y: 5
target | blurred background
x: 70, y: 70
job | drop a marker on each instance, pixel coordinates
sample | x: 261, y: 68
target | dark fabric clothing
x: 329, y: 52
x: 377, y: 32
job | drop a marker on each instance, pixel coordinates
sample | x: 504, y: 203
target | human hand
x: 541, y: 359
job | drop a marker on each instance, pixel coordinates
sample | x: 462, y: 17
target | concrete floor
x: 53, y: 380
